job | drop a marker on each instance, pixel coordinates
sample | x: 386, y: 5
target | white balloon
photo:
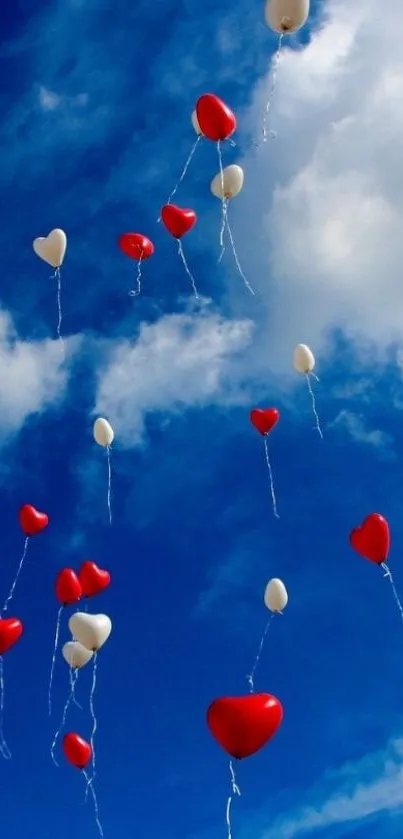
x: 275, y: 596
x: 304, y: 359
x: 103, y: 432
x: 286, y: 16
x: 229, y: 184
x: 195, y: 123
x: 51, y: 248
x: 90, y: 630
x: 76, y: 655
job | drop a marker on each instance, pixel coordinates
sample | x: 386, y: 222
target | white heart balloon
x: 51, y: 248
x: 76, y: 655
x: 90, y: 630
x: 103, y: 432
x: 229, y: 183
x: 275, y: 596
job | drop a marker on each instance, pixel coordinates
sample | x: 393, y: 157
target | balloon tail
x: 187, y: 269
x: 237, y: 263
x: 95, y: 800
x: 224, y: 203
x: 273, y: 494
x: 234, y: 791
x: 70, y: 698
x: 388, y: 574
x: 52, y: 668
x: 135, y: 292
x: 12, y: 589
x: 266, y: 132
x: 4, y: 750
x: 184, y: 170
x: 251, y: 676
x: 108, y: 451
x: 73, y: 674
x: 92, y: 711
x: 315, y: 413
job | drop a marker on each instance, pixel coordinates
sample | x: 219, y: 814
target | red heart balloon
x: 77, y: 750
x: 11, y: 630
x: 243, y: 724
x: 215, y: 118
x: 31, y: 520
x: 264, y: 419
x: 93, y: 579
x: 68, y: 587
x: 136, y: 246
x: 372, y: 539
x: 177, y: 220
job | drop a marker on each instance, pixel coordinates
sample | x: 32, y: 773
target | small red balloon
x: 68, y: 587
x: 264, y: 419
x: 372, y: 538
x: 93, y: 580
x: 77, y: 751
x: 11, y: 630
x: 31, y: 520
x: 215, y: 118
x: 244, y: 724
x: 136, y: 246
x: 178, y: 221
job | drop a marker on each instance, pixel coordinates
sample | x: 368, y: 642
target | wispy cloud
x: 356, y: 426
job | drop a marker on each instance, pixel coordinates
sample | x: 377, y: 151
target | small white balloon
x: 195, y: 123
x: 275, y: 596
x: 103, y: 432
x: 92, y: 631
x: 229, y: 183
x: 51, y: 248
x: 286, y: 16
x: 76, y: 655
x: 304, y: 359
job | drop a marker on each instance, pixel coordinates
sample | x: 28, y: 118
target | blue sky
x: 95, y: 130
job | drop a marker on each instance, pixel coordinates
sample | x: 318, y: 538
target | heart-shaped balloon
x: 90, y: 630
x: 215, y: 118
x: 372, y: 538
x: 76, y: 655
x: 31, y: 520
x: 11, y: 630
x: 243, y: 724
x: 178, y: 221
x: 136, y: 245
x: 77, y: 751
x: 93, y: 580
x: 51, y: 248
x: 264, y: 419
x: 68, y: 587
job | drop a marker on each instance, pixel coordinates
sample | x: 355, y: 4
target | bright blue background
x: 193, y: 542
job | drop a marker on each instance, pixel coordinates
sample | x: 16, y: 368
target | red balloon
x: 93, y: 579
x: 372, y: 538
x: 11, y: 630
x: 31, y: 520
x: 215, y: 118
x: 68, y: 587
x: 136, y: 246
x: 177, y: 220
x: 77, y: 750
x: 243, y: 724
x: 264, y: 419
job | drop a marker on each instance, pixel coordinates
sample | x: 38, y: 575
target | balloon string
x: 108, y: 452
x: 52, y: 668
x: 94, y: 719
x: 273, y: 494
x: 4, y: 750
x: 224, y: 202
x: 275, y: 66
x: 73, y: 675
x: 392, y: 582
x: 70, y: 698
x: 312, y: 395
x: 187, y: 269
x: 237, y: 263
x: 251, y: 676
x: 184, y: 170
x: 11, y: 592
x: 94, y: 798
x: 135, y: 292
x: 235, y: 791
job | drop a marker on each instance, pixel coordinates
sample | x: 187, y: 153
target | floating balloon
x: 137, y: 247
x: 372, y: 540
x: 286, y: 16
x: 77, y: 751
x: 275, y: 596
x: 52, y: 249
x: 304, y: 362
x: 227, y: 184
x: 179, y: 221
x: 216, y: 120
x: 195, y: 123
x: 76, y: 655
x: 92, y: 631
x: 242, y: 725
x: 11, y: 630
x: 92, y: 579
x: 68, y: 591
x: 31, y: 522
x: 264, y: 420
x: 104, y: 436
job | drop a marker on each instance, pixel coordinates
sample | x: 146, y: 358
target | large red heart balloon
x: 264, y: 419
x: 372, y: 538
x: 215, y: 118
x: 243, y: 724
x: 31, y: 520
x: 93, y: 579
x: 136, y: 245
x: 68, y: 587
x: 77, y: 750
x: 11, y: 630
x: 177, y: 220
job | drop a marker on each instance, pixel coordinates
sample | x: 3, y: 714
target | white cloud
x: 48, y: 100
x: 356, y: 426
